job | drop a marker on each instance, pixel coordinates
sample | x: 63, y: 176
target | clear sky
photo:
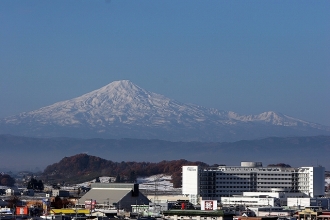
x: 243, y: 56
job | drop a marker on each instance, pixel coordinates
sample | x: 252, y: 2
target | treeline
x: 35, y: 184
x: 83, y: 167
x: 279, y: 165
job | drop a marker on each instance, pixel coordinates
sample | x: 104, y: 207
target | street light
x: 14, y: 211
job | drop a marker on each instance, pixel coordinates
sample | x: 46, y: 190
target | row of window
x: 248, y: 174
x: 249, y: 187
x: 230, y: 178
x: 248, y: 183
x: 227, y: 192
x: 259, y: 183
x: 240, y: 201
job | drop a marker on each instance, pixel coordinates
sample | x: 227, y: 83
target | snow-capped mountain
x: 121, y: 109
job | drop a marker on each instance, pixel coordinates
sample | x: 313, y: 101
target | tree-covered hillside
x: 83, y: 167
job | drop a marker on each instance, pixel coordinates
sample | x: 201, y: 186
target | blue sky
x: 243, y: 56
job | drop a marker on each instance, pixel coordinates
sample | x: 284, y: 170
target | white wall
x: 250, y: 201
x: 275, y: 194
x: 302, y: 202
x: 190, y: 183
x: 190, y: 180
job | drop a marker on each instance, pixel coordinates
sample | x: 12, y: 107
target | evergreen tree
x: 32, y: 184
x: 132, y: 176
x: 41, y: 185
x: 118, y: 180
x: 35, y: 184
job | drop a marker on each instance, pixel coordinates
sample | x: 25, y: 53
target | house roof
x: 3, y: 202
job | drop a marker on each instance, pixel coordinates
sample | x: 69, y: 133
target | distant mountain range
x: 26, y: 153
x: 121, y: 109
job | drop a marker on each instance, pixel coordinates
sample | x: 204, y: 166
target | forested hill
x: 82, y: 167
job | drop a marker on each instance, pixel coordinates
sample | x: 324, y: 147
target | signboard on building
x: 209, y: 205
x: 191, y: 168
x: 45, y: 206
x: 90, y: 204
x: 22, y: 210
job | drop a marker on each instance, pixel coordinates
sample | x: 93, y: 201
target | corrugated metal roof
x: 113, y: 185
x: 104, y: 195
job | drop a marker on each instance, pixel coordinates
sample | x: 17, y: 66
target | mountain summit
x: 122, y: 109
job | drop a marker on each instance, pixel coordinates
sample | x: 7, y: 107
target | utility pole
x: 90, y: 211
x: 76, y: 208
x: 14, y: 211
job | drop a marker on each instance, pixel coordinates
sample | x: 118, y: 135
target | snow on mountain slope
x: 273, y: 118
x: 159, y: 182
x: 122, y: 102
x: 126, y: 110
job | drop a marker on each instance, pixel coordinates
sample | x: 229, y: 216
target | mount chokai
x: 122, y: 109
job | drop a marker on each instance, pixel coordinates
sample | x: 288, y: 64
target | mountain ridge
x: 122, y: 109
x: 41, y: 152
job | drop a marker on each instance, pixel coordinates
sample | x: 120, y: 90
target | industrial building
x: 300, y: 203
x: 117, y: 196
x: 212, y: 183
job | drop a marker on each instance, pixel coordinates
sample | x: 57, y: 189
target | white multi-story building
x: 223, y: 181
x: 190, y: 179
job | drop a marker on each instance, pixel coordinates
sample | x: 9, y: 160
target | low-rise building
x: 120, y: 196
x: 250, y: 201
x: 27, y: 192
x: 300, y: 203
x: 60, y: 193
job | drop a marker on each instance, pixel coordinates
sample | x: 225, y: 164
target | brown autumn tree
x: 6, y: 180
x: 13, y: 201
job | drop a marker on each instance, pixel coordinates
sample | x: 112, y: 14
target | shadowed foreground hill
x: 83, y: 167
